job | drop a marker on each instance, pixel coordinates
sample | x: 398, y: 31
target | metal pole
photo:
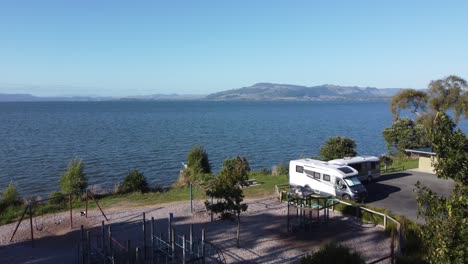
x: 83, y: 247
x: 152, y: 238
x: 169, y: 227
x: 183, y: 249
x: 22, y: 216
x: 31, y: 224
x: 137, y: 255
x: 191, y: 198
x: 129, y: 253
x: 191, y: 238
x: 173, y: 242
x: 71, y: 212
x: 203, y: 245
x: 88, y: 247
x: 100, y: 209
x: 86, y: 211
x: 144, y: 235
x: 109, y: 231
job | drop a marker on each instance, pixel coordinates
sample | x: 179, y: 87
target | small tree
x: 10, y: 197
x: 338, y: 147
x: 74, y: 180
x: 405, y: 133
x: 228, y: 188
x: 135, y: 181
x: 333, y: 253
x: 197, y: 164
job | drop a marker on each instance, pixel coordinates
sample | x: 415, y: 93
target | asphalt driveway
x: 396, y: 192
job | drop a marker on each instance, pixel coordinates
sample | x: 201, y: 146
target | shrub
x: 280, y: 169
x: 333, y: 253
x: 11, y: 196
x: 337, y: 148
x: 135, y: 181
x: 74, y: 180
x: 197, y: 163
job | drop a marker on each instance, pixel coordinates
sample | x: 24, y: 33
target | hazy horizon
x: 120, y: 48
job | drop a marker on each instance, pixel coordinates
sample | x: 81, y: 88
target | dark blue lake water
x: 38, y: 139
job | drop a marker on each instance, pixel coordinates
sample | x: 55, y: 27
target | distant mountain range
x: 256, y: 92
x: 273, y: 91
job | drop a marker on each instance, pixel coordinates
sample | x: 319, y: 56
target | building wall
x: 425, y: 164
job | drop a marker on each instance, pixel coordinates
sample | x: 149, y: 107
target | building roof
x: 424, y: 151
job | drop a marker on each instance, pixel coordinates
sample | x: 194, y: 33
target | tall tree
x: 405, y: 133
x: 228, y: 188
x: 337, y: 148
x: 445, y: 232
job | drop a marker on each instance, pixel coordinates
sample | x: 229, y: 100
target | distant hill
x: 272, y: 91
x: 32, y: 98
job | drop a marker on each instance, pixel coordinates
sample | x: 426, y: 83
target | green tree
x: 135, y: 181
x: 448, y: 94
x: 333, y: 253
x: 228, y: 188
x: 405, y: 133
x: 337, y: 148
x: 197, y: 164
x: 74, y: 179
x: 10, y: 197
x: 445, y: 233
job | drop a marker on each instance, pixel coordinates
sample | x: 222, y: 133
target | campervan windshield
x: 352, y: 181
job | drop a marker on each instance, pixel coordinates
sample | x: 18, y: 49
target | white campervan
x: 325, y: 178
x: 368, y: 167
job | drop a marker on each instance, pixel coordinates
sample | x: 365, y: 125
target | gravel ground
x: 264, y: 238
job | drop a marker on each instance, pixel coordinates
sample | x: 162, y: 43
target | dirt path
x: 264, y: 238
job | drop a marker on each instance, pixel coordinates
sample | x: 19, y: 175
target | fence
x: 104, y: 246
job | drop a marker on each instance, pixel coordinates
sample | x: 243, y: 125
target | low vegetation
x: 333, y: 253
x: 135, y: 181
x: 337, y: 148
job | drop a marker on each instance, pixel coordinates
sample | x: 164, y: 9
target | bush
x: 135, y: 181
x: 197, y: 163
x: 333, y: 253
x: 11, y: 197
x: 337, y: 148
x: 74, y: 180
x: 280, y: 169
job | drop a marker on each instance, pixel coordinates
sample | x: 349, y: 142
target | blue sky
x: 145, y: 47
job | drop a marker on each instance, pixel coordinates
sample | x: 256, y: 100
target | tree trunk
x: 238, y: 229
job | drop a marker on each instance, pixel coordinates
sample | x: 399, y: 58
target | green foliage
x: 405, y: 133
x: 197, y: 160
x: 10, y: 197
x: 74, y: 180
x: 413, y: 100
x: 449, y: 93
x: 333, y: 253
x: 337, y: 148
x: 445, y: 232
x: 135, y: 181
x: 197, y: 163
x: 228, y: 188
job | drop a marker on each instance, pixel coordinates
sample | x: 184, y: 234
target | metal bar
x: 191, y: 238
x: 86, y: 211
x: 88, y: 248
x: 144, y: 235
x: 152, y: 238
x: 100, y: 209
x: 31, y: 224
x: 137, y: 255
x: 16, y: 228
x: 82, y: 242
x: 129, y: 252
x: 203, y: 245
x: 183, y: 249
x: 109, y: 232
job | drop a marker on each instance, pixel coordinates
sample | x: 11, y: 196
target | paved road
x: 396, y: 191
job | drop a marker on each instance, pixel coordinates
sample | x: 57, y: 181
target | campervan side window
x: 316, y: 175
x: 299, y: 169
x: 326, y: 177
x: 373, y: 165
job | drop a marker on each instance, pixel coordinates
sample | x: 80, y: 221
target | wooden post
x: 137, y: 255
x: 71, y: 212
x: 173, y: 242
x: 100, y: 209
x: 191, y: 198
x: 21, y: 219
x: 169, y: 227
x: 31, y: 224
x: 83, y: 245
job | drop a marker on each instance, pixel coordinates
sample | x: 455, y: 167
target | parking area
x: 396, y: 192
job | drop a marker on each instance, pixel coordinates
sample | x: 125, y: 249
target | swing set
x: 39, y: 225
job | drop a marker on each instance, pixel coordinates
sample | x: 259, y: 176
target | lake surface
x: 39, y: 138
